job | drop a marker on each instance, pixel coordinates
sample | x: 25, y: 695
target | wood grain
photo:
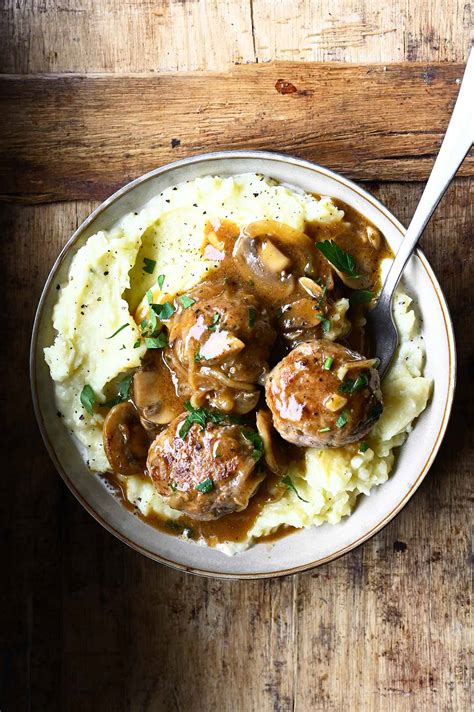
x: 86, y: 623
x: 169, y: 35
x: 82, y: 137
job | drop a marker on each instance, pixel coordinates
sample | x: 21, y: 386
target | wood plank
x: 82, y: 137
x: 86, y: 623
x: 170, y: 35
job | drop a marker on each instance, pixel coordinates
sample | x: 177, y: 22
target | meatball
x: 323, y: 395
x: 219, y: 343
x: 206, y: 471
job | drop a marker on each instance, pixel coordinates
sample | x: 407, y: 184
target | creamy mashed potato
x: 106, y: 285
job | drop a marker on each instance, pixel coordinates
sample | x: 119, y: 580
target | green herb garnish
x: 361, y: 296
x: 202, y: 416
x: 160, y: 281
x: 289, y: 483
x: 137, y: 343
x: 325, y: 323
x: 88, y: 398
x: 198, y: 358
x: 352, y: 385
x: 215, y: 320
x: 205, y: 486
x: 163, y: 311
x: 149, y: 265
x: 257, y: 443
x: 186, y: 301
x: 252, y: 316
x: 342, y: 420
x: 363, y: 446
x: 124, y: 326
x: 342, y: 260
x: 157, y: 342
x: 123, y: 392
x: 324, y: 430
x: 327, y: 365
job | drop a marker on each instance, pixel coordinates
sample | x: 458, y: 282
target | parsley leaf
x: 202, y: 416
x: 122, y: 393
x: 289, y: 483
x: 205, y: 486
x: 186, y: 301
x: 327, y: 365
x: 148, y: 265
x: 257, y: 442
x: 124, y: 326
x: 136, y: 345
x: 160, y: 281
x: 352, y: 385
x: 198, y: 358
x: 215, y: 320
x: 361, y: 296
x: 342, y: 420
x: 325, y: 323
x: 252, y: 316
x: 157, y: 342
x: 88, y: 398
x: 363, y: 446
x: 342, y: 260
x: 163, y: 311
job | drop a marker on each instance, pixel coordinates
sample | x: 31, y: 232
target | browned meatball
x: 219, y: 343
x: 206, y: 472
x: 323, y: 395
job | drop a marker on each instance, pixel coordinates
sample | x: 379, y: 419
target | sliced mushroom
x: 125, y: 440
x: 153, y: 393
x: 273, y: 457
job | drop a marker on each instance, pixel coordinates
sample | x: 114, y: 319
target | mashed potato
x: 106, y: 284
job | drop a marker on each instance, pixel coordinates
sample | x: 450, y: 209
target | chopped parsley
x: 324, y: 430
x: 361, y: 296
x: 202, y: 416
x: 157, y: 342
x: 363, y: 446
x: 352, y: 385
x: 252, y: 316
x: 163, y: 311
x: 88, y: 398
x: 124, y: 326
x: 327, y: 365
x: 160, y: 281
x: 205, y: 486
x: 325, y: 323
x: 342, y: 260
x: 198, y: 358
x: 149, y: 265
x: 289, y: 483
x: 257, y: 442
x: 122, y: 393
x: 342, y: 420
x: 137, y: 343
x: 186, y: 301
x: 215, y: 320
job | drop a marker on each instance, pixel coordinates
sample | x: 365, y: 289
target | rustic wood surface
x: 86, y: 623
x: 364, y: 120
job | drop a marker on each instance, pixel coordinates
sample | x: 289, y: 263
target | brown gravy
x: 351, y: 235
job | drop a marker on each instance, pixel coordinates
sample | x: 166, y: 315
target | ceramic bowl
x: 309, y: 547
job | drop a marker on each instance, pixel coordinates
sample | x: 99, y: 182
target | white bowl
x: 309, y: 547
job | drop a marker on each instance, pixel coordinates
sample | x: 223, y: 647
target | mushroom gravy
x: 269, y: 262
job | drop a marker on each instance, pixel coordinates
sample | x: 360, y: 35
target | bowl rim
x: 354, y: 188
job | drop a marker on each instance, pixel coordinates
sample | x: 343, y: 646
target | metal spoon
x: 458, y: 140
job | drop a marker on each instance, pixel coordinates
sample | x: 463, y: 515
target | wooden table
x: 88, y: 624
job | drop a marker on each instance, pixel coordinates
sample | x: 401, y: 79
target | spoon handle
x: 456, y: 143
